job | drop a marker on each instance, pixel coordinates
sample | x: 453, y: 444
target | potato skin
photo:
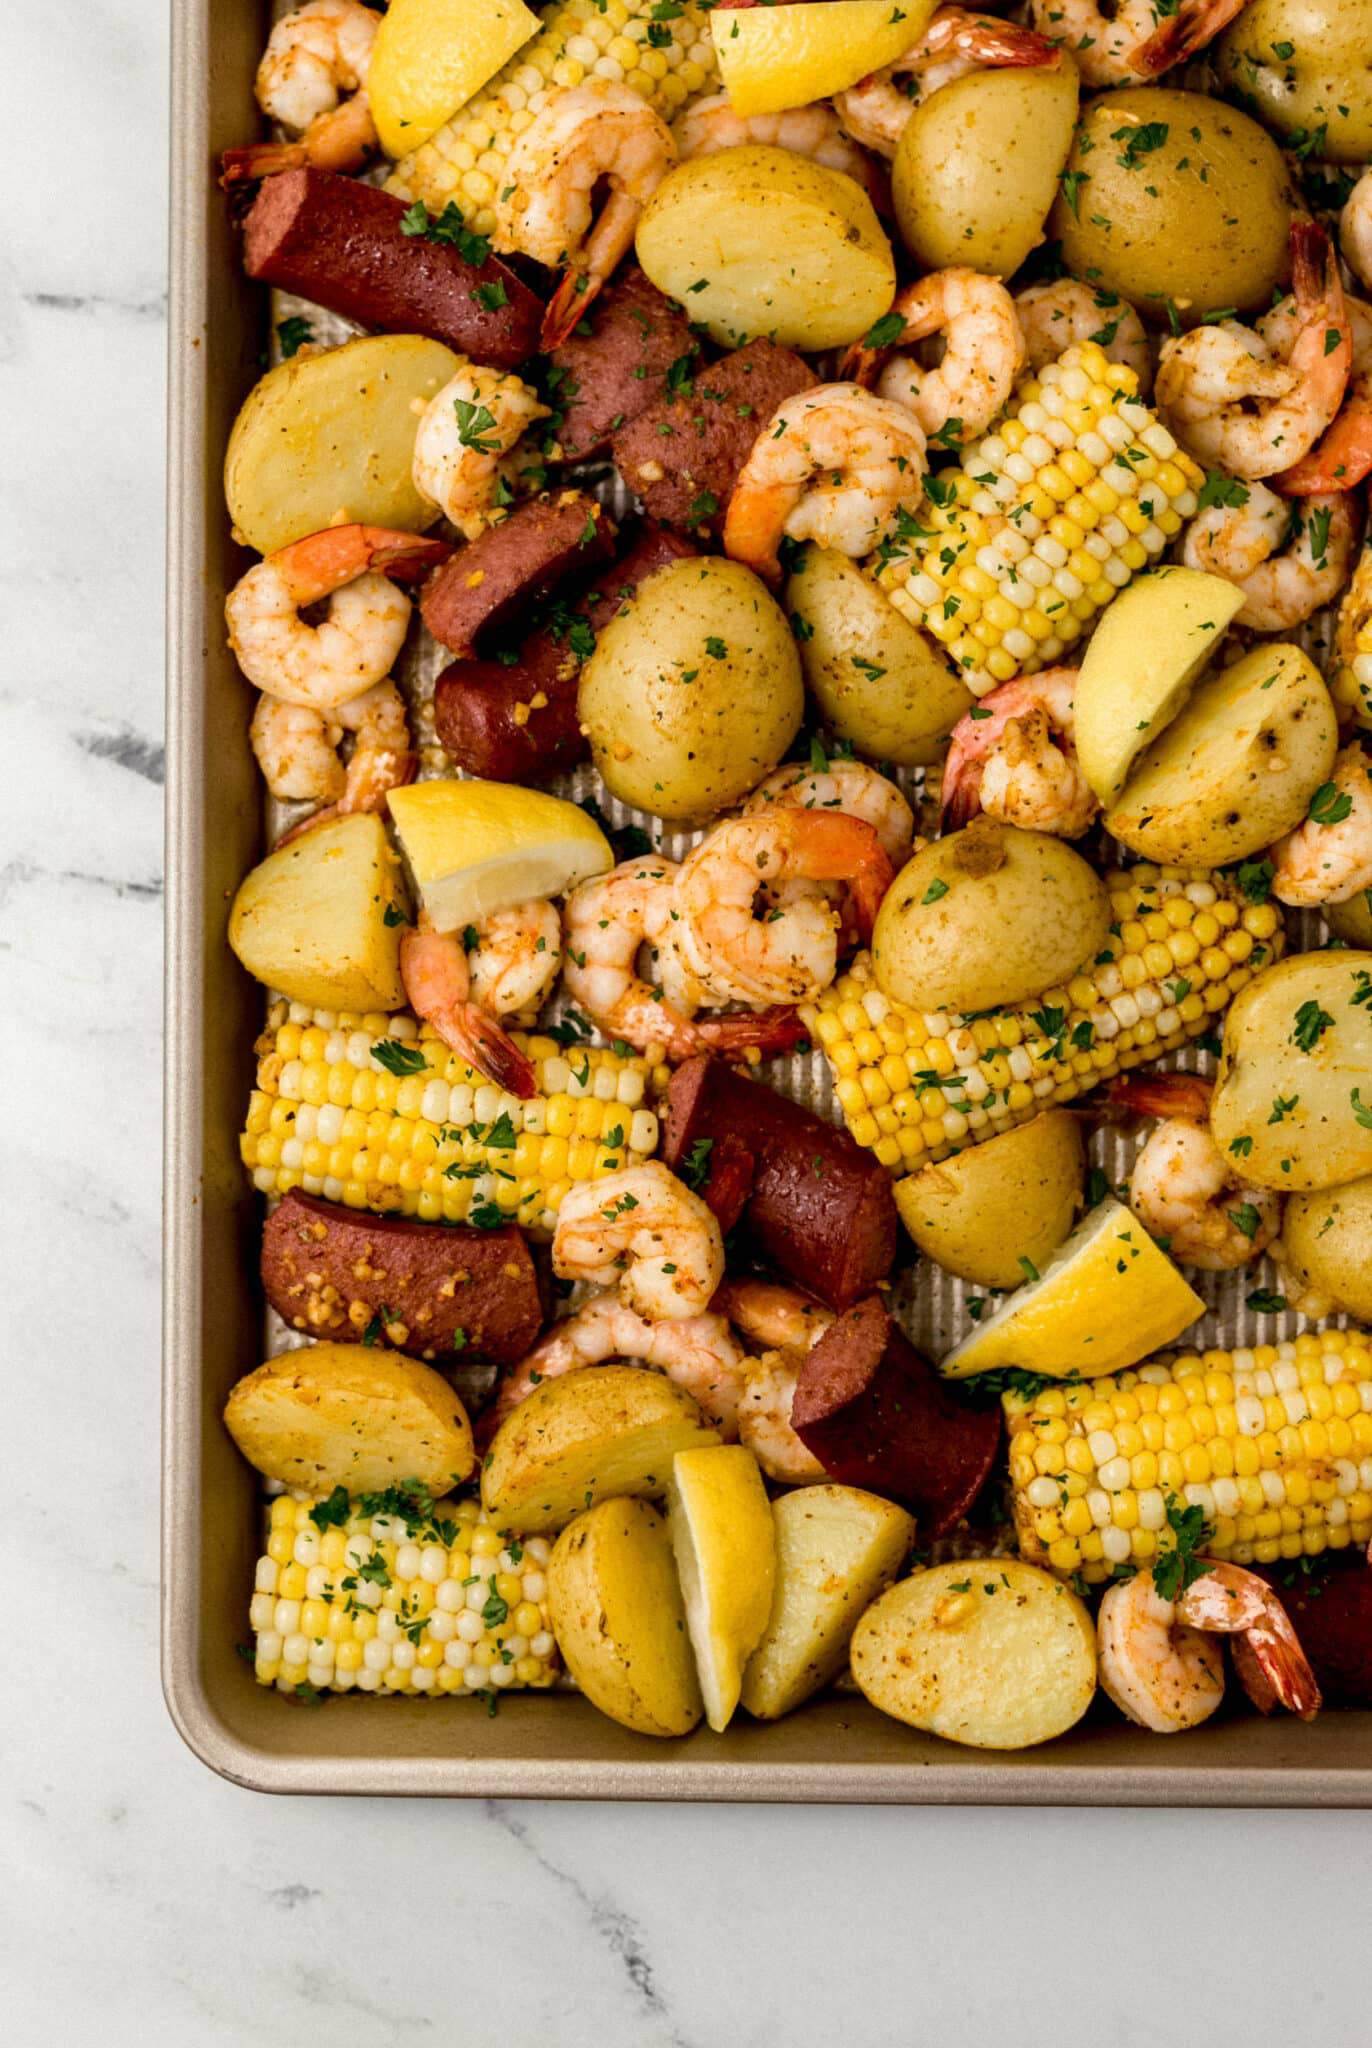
x: 351, y: 1415
x: 1300, y: 1034
x: 985, y: 916
x: 676, y: 728
x: 878, y: 682
x: 321, y: 918
x: 1326, y: 1250
x: 1351, y: 921
x: 1198, y: 222
x: 1319, y: 85
x: 982, y: 1212
x: 616, y: 1609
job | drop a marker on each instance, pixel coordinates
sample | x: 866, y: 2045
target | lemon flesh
x: 771, y: 58
x: 1107, y: 1299
x: 722, y: 1534
x: 473, y: 848
x: 431, y: 56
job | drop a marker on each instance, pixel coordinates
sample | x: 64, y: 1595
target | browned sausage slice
x: 339, y: 242
x: 607, y: 377
x: 510, y: 567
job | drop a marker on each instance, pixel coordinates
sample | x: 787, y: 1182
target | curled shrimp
x: 699, y: 1352
x: 875, y: 110
x: 746, y: 943
x: 643, y: 1228
x: 814, y: 131
x: 1330, y: 862
x: 442, y: 977
x: 1162, y: 1670
x: 297, y: 751
x: 1062, y: 310
x: 1342, y: 457
x: 787, y: 1325
x: 312, y: 80
x: 1287, y: 559
x: 1129, y: 42
x: 1229, y: 397
x: 835, y: 465
x: 848, y: 786
x: 983, y: 353
x: 584, y: 136
x: 1355, y: 230
x: 356, y: 645
x: 1183, y: 1189
x: 465, y: 431
x: 1013, y: 757
x: 608, y: 920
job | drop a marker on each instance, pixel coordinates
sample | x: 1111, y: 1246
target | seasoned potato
x: 321, y: 918
x: 982, y: 1213
x: 693, y: 693
x: 354, y: 1415
x: 1236, y: 768
x: 757, y: 240
x: 1293, y: 1102
x: 1190, y: 210
x: 1326, y: 1250
x: 836, y: 1548
x: 878, y: 682
x: 985, y: 916
x: 592, y: 1434
x: 976, y: 172
x: 328, y: 438
x: 994, y: 1653
x: 1303, y: 67
x: 1351, y: 921
x: 617, y: 1613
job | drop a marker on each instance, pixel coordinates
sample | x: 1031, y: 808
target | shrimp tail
x: 1196, y: 23
x: 1009, y: 45
x: 258, y: 160
x: 1161, y: 1095
x: 479, y: 1040
x: 388, y: 769
x: 565, y: 308
x: 961, y: 796
x: 776, y: 1029
x: 608, y: 240
x: 1276, y: 1673
x: 1340, y: 460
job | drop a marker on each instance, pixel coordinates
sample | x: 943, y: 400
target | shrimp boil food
x: 814, y: 1112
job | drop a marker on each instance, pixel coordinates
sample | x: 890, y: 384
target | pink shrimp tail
x: 1007, y: 45
x: 1196, y: 23
x: 391, y: 770
x: 1185, y: 1095
x: 1341, y: 459
x: 260, y: 160
x: 1268, y: 1659
x: 767, y: 1031
x: 837, y: 847
x: 479, y: 1040
x: 569, y: 302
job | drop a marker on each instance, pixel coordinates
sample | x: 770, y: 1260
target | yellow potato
x: 353, y: 1415
x: 1326, y: 1251
x: 983, y: 1212
x: 1351, y: 921
x: 328, y: 438
x: 760, y: 241
x: 989, y: 1652
x: 1293, y: 1102
x: 617, y: 1614
x: 836, y: 1548
x: 588, y: 1435
x: 321, y: 919
x: 1303, y: 66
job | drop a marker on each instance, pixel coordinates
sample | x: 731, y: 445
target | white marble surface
x: 141, y: 1900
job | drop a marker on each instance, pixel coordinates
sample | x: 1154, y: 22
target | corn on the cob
x: 393, y: 1593
x: 374, y: 1112
x: 1351, y: 681
x: 1273, y: 1445
x: 1045, y: 520
x: 915, y: 1086
x: 660, y: 49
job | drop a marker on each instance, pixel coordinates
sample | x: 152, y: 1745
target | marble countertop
x: 142, y: 1901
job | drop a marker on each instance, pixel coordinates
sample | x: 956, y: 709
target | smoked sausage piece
x: 609, y: 376
x: 510, y: 567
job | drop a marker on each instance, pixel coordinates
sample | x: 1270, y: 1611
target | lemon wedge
x: 431, y: 56
x: 722, y: 1535
x: 473, y: 848
x: 771, y: 58
x: 1105, y: 1299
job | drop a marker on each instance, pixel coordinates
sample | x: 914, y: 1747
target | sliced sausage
x: 507, y: 569
x: 518, y: 723
x: 683, y: 454
x: 448, y: 1295
x: 340, y: 243
x: 819, y: 1207
x: 1331, y: 1611
x: 606, y: 378
x: 876, y: 1414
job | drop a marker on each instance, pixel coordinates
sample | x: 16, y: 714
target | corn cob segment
x: 1350, y: 683
x: 659, y: 49
x: 1043, y: 523
x: 378, y: 1114
x: 1273, y: 1445
x: 915, y: 1086
x: 392, y: 1593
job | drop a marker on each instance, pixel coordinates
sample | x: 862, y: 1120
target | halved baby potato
x: 320, y: 918
x: 353, y: 1415
x: 990, y: 1212
x: 617, y: 1613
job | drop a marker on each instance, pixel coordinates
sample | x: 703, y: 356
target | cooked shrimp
x: 465, y: 431
x: 744, y: 943
x: 645, y: 1225
x: 584, y: 136
x: 1159, y: 1666
x: 787, y: 1324
x: 607, y: 921
x: 1128, y: 42
x: 835, y: 465
x: 312, y: 80
x: 699, y: 1352
x: 297, y: 751
x: 875, y: 110
x: 1229, y: 397
x: 983, y: 353
x: 1329, y: 862
x: 438, y: 978
x: 516, y: 958
x: 1055, y: 314
x: 1355, y: 230
x: 1342, y: 456
x: 848, y: 786
x: 814, y: 131
x: 1013, y: 757
x: 1183, y: 1189
x: 327, y: 665
x: 1287, y: 559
